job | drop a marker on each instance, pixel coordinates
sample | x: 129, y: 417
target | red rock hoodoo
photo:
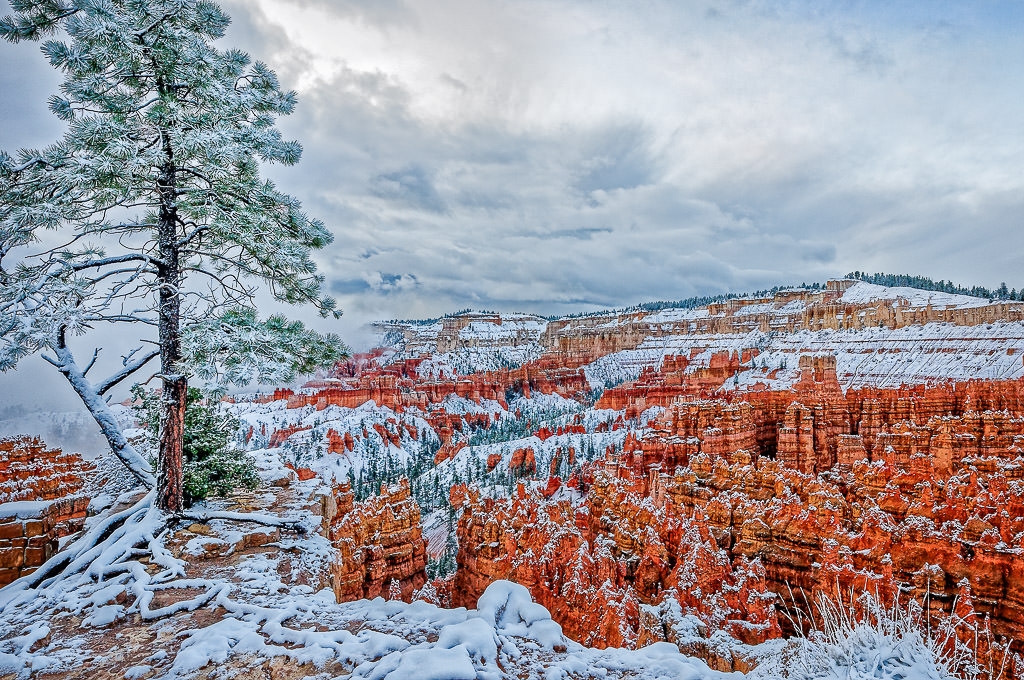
x: 381, y: 549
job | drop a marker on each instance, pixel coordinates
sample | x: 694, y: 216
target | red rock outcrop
x: 918, y: 488
x: 594, y: 565
x: 381, y: 549
x: 280, y: 436
x: 29, y: 471
x: 41, y: 501
x: 926, y: 494
x: 799, y: 481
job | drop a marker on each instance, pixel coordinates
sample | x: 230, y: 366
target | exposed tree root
x: 295, y: 525
x: 123, y: 554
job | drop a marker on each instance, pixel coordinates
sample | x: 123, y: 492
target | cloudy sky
x: 560, y: 155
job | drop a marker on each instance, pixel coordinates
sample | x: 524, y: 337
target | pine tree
x: 165, y: 226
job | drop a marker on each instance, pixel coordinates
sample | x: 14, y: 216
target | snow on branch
x: 129, y: 368
x: 115, y: 259
x: 101, y: 413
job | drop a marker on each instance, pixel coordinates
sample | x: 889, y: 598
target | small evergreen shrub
x: 212, y: 465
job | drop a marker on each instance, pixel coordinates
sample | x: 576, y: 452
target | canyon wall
x: 577, y: 340
x: 595, y: 565
x: 810, y: 440
x: 872, y: 489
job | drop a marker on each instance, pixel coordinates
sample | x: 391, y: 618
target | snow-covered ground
x: 228, y: 599
x: 862, y: 292
x: 512, y: 429
x: 479, y: 345
x: 477, y: 359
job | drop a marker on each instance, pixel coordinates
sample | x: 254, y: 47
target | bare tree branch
x: 129, y: 368
x: 92, y: 362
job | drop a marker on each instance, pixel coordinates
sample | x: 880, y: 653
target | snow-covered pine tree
x: 161, y: 221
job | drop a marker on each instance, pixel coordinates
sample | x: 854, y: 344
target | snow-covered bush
x: 864, y: 639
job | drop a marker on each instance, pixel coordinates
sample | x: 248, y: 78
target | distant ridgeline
x: 690, y: 302
x: 686, y: 303
x: 878, y: 278
x: 925, y: 283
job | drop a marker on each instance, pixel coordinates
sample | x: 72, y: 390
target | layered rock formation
x: 596, y: 564
x: 381, y: 549
x: 915, y: 489
x: 31, y: 471
x: 911, y: 486
x: 840, y: 305
x: 41, y: 502
x: 846, y: 437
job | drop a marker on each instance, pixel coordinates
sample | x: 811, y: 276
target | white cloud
x: 548, y: 155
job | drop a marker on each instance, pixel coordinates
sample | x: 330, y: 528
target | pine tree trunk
x: 170, y: 479
x: 170, y: 482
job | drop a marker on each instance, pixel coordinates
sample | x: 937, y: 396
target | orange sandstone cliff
x: 381, y: 550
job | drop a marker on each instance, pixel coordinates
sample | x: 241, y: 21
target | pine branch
x: 116, y: 259
x: 92, y: 362
x: 93, y: 401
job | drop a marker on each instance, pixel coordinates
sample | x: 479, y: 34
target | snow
x: 889, y: 647
x: 435, y: 531
x: 483, y: 344
x: 428, y: 664
x: 308, y: 448
x: 418, y: 640
x: 24, y: 509
x: 201, y: 545
x: 480, y: 642
x: 103, y: 616
x: 270, y: 467
x: 619, y: 367
x: 476, y: 359
x: 762, y: 308
x: 511, y: 327
x: 509, y: 608
x: 546, y: 450
x: 674, y: 315
x: 879, y: 357
x: 863, y: 292
x: 455, y: 404
x: 792, y: 307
